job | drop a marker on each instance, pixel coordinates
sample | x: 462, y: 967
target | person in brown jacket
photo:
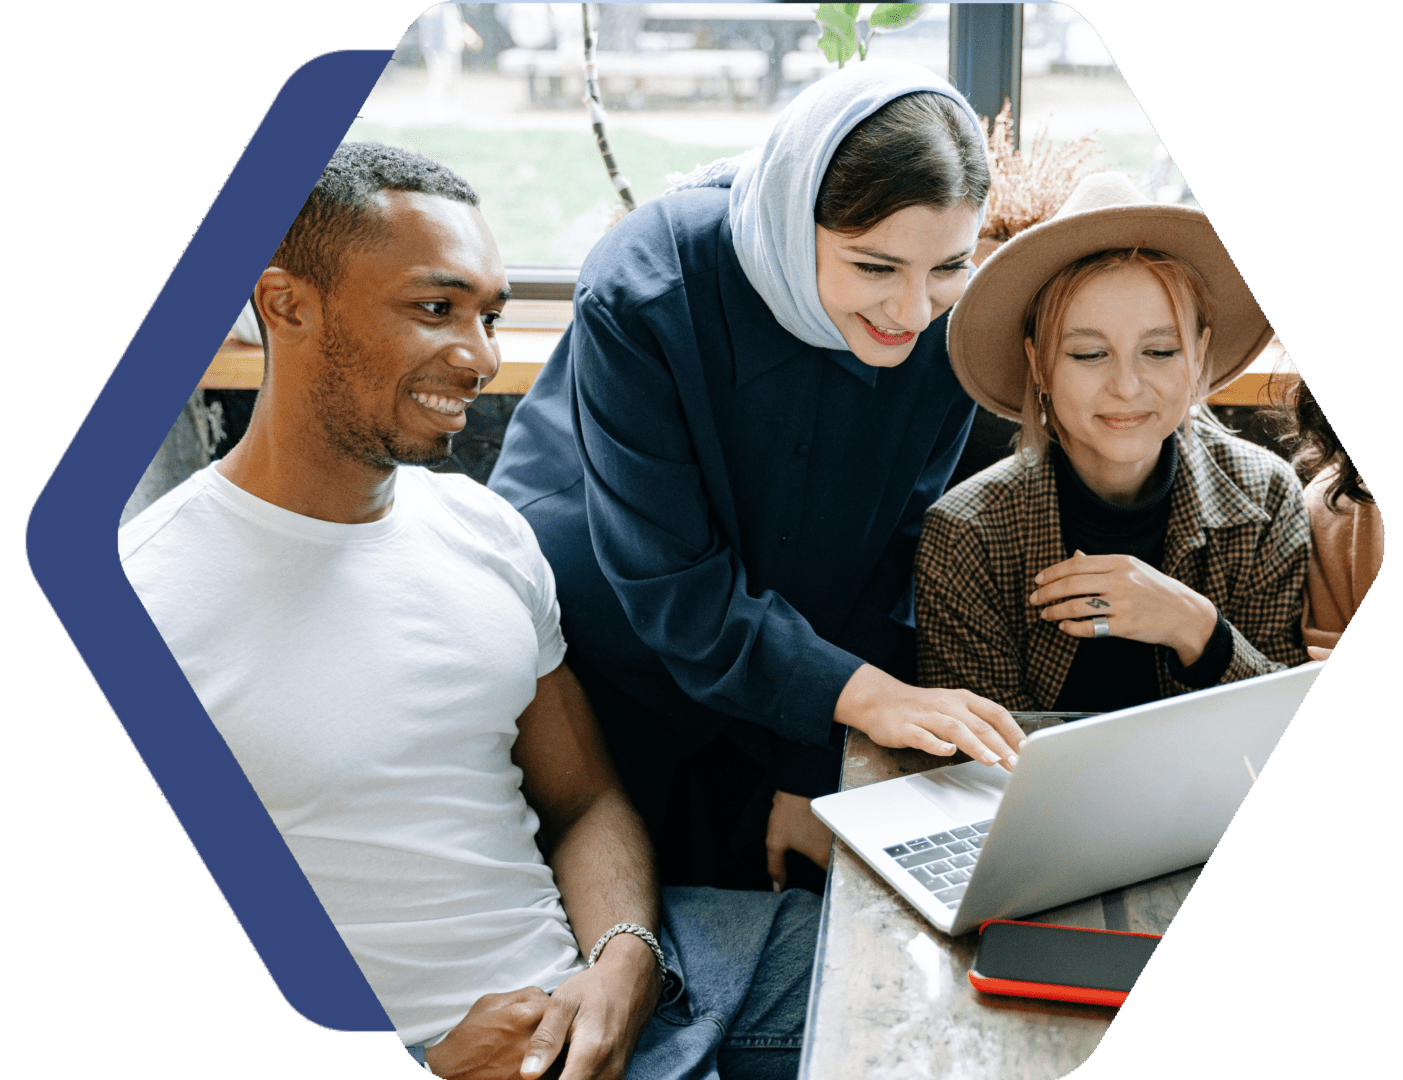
x: 1129, y: 550
x: 1347, y: 533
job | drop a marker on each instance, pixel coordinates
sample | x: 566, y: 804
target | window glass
x: 1071, y: 87
x: 495, y: 91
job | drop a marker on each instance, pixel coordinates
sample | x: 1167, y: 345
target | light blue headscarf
x: 773, y: 189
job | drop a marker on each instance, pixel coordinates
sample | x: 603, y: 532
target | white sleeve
x: 539, y: 595
x: 545, y: 610
x: 508, y: 536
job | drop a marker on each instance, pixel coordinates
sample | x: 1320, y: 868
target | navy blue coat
x: 731, y: 513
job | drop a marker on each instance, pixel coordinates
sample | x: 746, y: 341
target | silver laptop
x: 1092, y: 805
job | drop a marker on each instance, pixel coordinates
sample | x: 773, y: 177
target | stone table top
x: 891, y: 997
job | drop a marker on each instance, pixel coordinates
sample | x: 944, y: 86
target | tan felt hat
x: 1105, y: 211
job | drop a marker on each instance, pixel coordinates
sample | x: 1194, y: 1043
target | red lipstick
x: 886, y: 339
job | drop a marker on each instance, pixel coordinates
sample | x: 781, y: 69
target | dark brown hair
x: 1317, y: 448
x: 916, y: 150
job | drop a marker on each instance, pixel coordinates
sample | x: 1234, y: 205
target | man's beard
x: 347, y: 364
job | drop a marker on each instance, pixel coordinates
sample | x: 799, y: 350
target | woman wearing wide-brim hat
x: 1129, y: 550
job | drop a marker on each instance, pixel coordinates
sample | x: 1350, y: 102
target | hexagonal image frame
x: 78, y: 570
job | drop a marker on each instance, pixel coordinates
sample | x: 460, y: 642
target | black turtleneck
x: 1113, y: 673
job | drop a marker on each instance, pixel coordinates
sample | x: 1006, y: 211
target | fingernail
x: 990, y: 758
x: 1080, y: 551
x: 1012, y: 759
x: 774, y: 887
x: 1038, y: 579
x: 1022, y: 744
x: 534, y: 1063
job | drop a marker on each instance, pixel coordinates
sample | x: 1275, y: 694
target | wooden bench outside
x: 739, y: 69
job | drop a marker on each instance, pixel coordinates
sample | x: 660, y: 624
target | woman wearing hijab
x: 1129, y: 551
x: 727, y: 457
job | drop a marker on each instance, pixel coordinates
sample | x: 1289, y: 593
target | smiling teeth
x: 448, y: 406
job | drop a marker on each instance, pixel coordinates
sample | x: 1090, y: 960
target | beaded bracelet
x: 628, y: 928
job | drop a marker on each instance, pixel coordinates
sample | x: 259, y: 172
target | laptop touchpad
x: 968, y: 792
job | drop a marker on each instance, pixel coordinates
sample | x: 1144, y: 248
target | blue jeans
x: 734, y: 1001
x: 737, y: 988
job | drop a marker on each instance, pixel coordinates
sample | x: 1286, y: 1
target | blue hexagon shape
x: 77, y: 567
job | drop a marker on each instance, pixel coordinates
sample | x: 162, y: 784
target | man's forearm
x: 603, y: 864
x: 599, y: 884
x: 601, y: 1012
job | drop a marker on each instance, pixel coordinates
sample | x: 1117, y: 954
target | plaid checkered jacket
x: 1238, y: 534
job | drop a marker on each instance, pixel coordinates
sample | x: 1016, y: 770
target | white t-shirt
x: 368, y: 679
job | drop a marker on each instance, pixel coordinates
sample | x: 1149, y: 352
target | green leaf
x: 889, y: 17
x: 839, y: 23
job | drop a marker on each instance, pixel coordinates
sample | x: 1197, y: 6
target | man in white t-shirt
x: 380, y: 647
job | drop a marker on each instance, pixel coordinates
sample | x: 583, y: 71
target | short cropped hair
x: 1047, y: 312
x: 341, y: 211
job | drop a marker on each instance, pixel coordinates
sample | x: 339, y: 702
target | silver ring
x: 1100, y: 626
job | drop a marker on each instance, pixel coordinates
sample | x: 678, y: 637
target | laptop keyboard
x: 943, y: 862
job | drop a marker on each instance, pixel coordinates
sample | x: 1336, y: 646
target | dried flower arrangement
x: 1028, y: 188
